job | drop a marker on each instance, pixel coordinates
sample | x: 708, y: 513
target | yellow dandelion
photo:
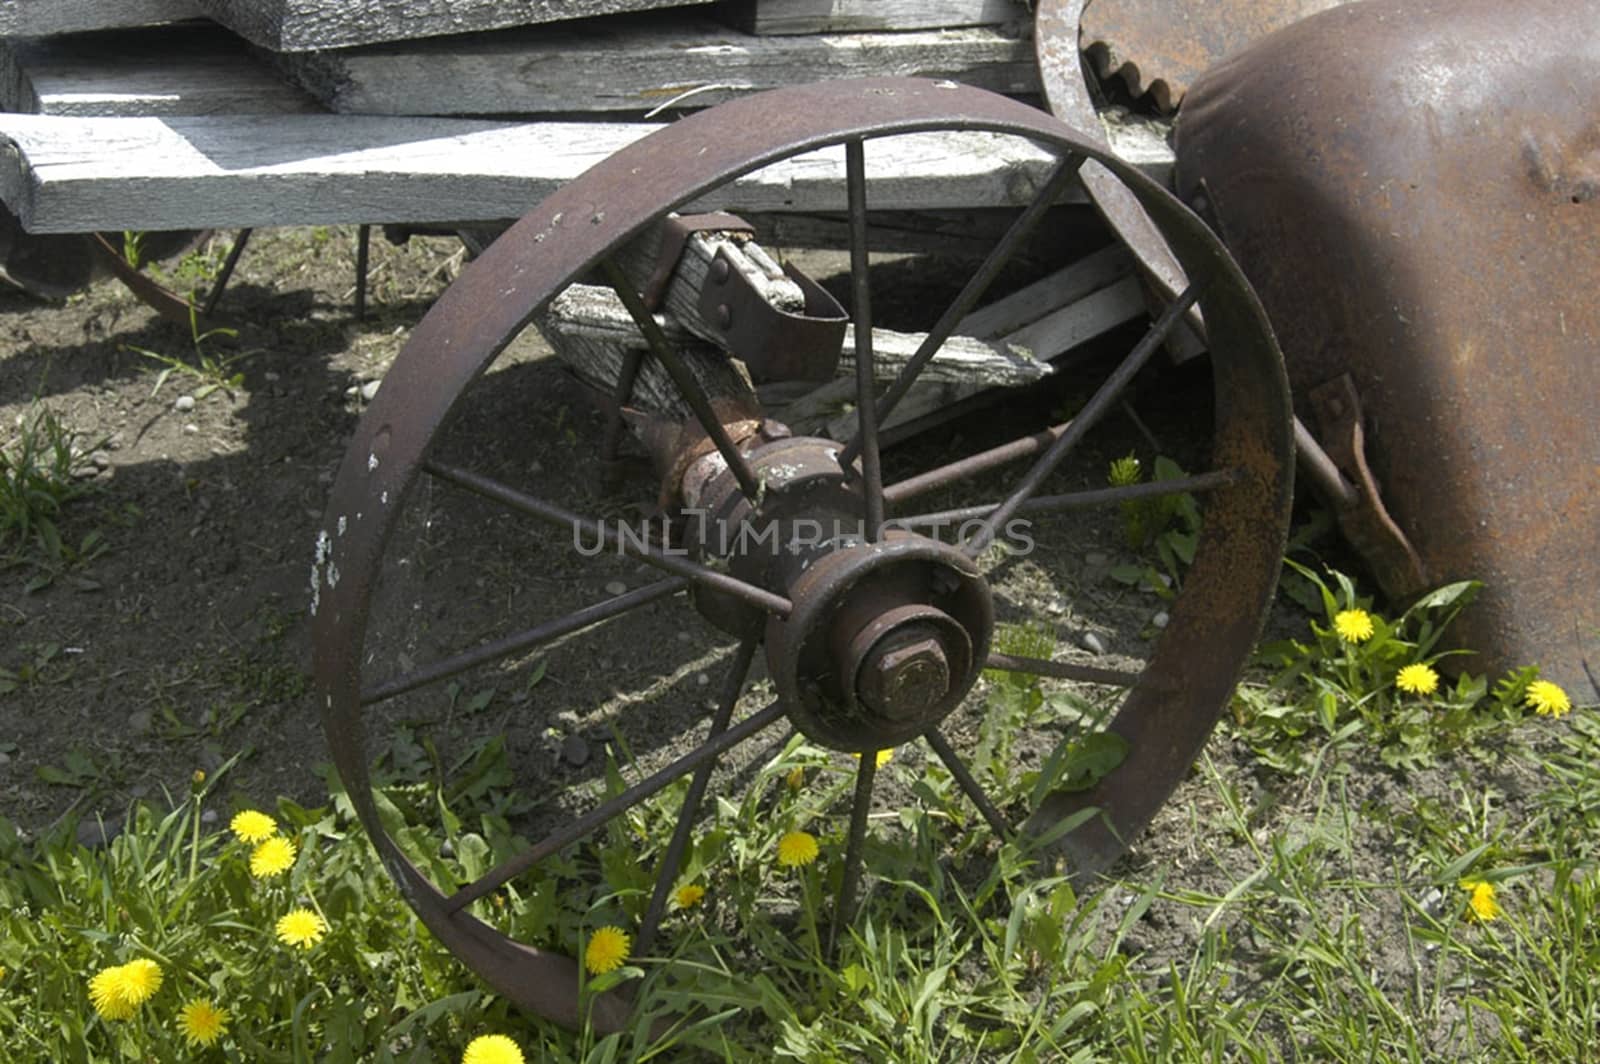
x: 1353, y: 626
x: 492, y: 1049
x: 1481, y: 899
x: 301, y: 927
x: 139, y: 981
x: 797, y: 848
x: 880, y: 759
x: 202, y: 1022
x: 1548, y: 699
x: 272, y: 858
x: 607, y: 949
x: 688, y: 895
x: 106, y: 996
x: 796, y: 778
x: 253, y: 826
x: 1417, y: 680
x: 1123, y: 472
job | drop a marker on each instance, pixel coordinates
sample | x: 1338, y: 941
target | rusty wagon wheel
x: 869, y: 640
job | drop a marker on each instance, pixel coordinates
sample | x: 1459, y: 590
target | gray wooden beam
x: 303, y: 25
x: 639, y: 63
x: 39, y: 18
x: 857, y: 16
x: 175, y: 70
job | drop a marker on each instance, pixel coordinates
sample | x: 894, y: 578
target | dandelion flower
x: 1417, y: 680
x: 202, y: 1022
x: 607, y: 949
x: 492, y: 1049
x: 271, y: 858
x: 797, y: 848
x: 105, y: 994
x: 116, y: 992
x: 796, y: 778
x: 688, y: 895
x: 1481, y: 899
x: 880, y: 759
x: 1124, y: 471
x: 1353, y: 626
x: 1548, y: 699
x: 253, y: 826
x: 301, y: 927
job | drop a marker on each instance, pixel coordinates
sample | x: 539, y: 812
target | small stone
x: 208, y: 817
x: 575, y: 750
x: 139, y: 721
x: 269, y: 375
x: 191, y: 429
x: 183, y: 403
x: 1160, y: 620
x: 369, y: 390
x: 685, y: 637
x: 101, y: 460
x: 5, y: 758
x: 616, y: 587
x: 702, y: 680
x: 352, y: 391
x: 1091, y: 642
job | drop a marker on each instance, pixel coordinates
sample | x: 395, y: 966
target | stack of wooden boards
x: 184, y: 114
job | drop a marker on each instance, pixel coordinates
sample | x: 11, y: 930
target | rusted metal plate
x: 1162, y: 46
x: 1414, y: 191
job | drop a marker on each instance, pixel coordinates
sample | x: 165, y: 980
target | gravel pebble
x: 1160, y: 620
x: 208, y: 817
x: 183, y: 403
x: 191, y: 429
x: 702, y: 680
x: 101, y: 460
x: 575, y: 750
x: 1091, y: 642
x: 5, y: 758
x: 616, y: 587
x: 369, y: 390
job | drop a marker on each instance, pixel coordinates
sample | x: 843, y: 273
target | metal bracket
x: 1363, y: 519
x: 774, y: 344
x: 675, y: 233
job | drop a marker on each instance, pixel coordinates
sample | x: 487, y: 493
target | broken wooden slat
x: 40, y: 18
x: 858, y: 16
x: 961, y: 359
x: 175, y: 70
x: 637, y: 64
x: 81, y: 174
x: 302, y: 25
x: 1062, y: 288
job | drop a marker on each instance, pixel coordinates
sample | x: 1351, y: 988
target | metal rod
x: 546, y: 632
x: 687, y: 386
x: 1092, y: 412
x: 220, y: 285
x: 845, y: 902
x: 968, y: 782
x: 551, y: 844
x: 855, y: 175
x: 1060, y: 670
x: 584, y: 528
x: 1320, y: 468
x: 363, y: 248
x: 687, y: 812
x: 974, y: 289
x: 632, y: 359
x: 1200, y: 482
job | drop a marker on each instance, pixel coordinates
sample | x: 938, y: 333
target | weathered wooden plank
x: 80, y: 174
x: 637, y: 64
x: 174, y: 70
x: 1062, y: 288
x: 40, y: 18
x: 301, y: 25
x: 857, y: 16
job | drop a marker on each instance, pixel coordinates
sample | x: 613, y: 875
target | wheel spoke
x: 611, y: 443
x: 855, y: 167
x: 968, y: 782
x: 582, y: 527
x: 976, y: 286
x: 687, y: 813
x: 553, y: 843
x: 1061, y: 670
x: 547, y: 632
x: 845, y: 903
x: 1092, y: 412
x: 686, y: 384
x: 1077, y: 500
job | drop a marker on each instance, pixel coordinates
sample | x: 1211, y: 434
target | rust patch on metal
x: 1411, y: 189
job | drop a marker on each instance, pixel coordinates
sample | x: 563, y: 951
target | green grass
x: 42, y: 460
x: 1319, y: 911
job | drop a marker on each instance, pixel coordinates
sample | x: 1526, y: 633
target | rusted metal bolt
x: 724, y: 315
x: 904, y: 679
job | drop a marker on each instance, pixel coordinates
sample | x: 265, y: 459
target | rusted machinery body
x: 1414, y: 191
